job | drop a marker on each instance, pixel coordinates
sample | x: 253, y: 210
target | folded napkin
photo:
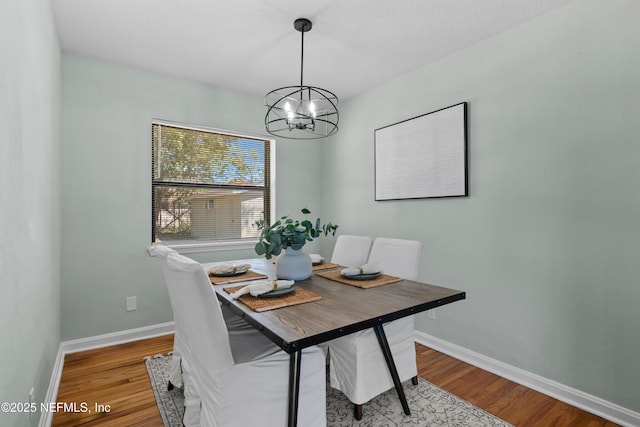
x: 316, y: 258
x: 371, y: 268
x: 228, y: 268
x: 260, y: 288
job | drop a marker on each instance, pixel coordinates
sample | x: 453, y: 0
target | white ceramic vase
x: 293, y: 264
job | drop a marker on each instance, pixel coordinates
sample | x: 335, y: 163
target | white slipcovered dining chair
x: 179, y: 368
x: 358, y: 367
x: 192, y: 403
x: 238, y: 383
x: 244, y: 340
x: 351, y: 251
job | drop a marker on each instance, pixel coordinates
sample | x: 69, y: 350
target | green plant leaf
x: 276, y: 239
x: 288, y: 232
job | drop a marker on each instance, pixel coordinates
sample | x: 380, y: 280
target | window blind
x: 207, y: 185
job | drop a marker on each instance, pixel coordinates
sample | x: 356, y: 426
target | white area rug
x: 429, y: 405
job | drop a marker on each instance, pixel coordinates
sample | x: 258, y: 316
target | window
x: 208, y: 186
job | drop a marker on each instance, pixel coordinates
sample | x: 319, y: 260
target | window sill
x: 232, y: 245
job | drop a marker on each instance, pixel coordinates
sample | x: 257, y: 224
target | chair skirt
x: 356, y: 360
x: 254, y: 393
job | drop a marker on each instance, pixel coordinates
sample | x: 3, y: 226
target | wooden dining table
x: 341, y: 310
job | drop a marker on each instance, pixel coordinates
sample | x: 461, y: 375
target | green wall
x: 106, y: 178
x: 29, y: 203
x: 547, y: 244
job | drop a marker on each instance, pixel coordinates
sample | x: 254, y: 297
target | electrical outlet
x: 431, y: 314
x: 132, y: 303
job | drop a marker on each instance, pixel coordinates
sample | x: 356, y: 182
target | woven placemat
x: 298, y: 296
x: 325, y: 266
x: 244, y: 277
x: 381, y: 280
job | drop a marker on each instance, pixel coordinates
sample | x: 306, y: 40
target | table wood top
x: 342, y: 310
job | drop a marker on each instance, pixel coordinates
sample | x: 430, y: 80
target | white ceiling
x: 252, y: 47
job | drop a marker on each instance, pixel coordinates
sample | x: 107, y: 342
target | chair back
x: 397, y: 257
x: 351, y: 251
x: 197, y: 315
x: 160, y: 251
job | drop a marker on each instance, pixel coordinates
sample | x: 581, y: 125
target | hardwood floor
x: 510, y: 401
x: 116, y: 377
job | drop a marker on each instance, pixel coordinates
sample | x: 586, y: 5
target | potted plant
x: 290, y: 235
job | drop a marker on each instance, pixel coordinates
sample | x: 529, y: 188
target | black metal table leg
x: 386, y: 351
x: 295, y: 360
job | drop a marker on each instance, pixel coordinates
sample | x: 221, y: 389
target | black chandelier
x: 301, y: 112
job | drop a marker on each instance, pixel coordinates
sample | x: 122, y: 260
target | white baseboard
x: 82, y: 344
x: 52, y: 392
x: 114, y: 338
x: 571, y: 396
